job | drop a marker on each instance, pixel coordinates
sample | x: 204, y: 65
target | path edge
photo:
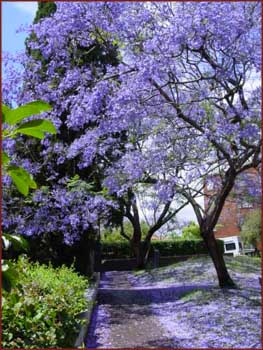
x: 91, y: 298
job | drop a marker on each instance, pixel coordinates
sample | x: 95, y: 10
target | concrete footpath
x: 130, y: 315
x: 154, y: 309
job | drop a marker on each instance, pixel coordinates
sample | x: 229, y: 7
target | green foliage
x: 114, y: 235
x: 182, y: 247
x: 36, y: 128
x: 45, y: 9
x: 17, y: 242
x: 42, y: 310
x: 193, y: 295
x: 5, y: 158
x: 247, y: 260
x: 20, y: 177
x: 14, y: 116
x: 192, y: 231
x: 118, y: 250
x: 5, y: 111
x: 251, y: 229
x: 173, y: 235
x: 76, y: 184
x: 9, y: 275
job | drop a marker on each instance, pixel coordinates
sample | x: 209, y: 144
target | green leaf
x: 5, y: 267
x: 5, y: 111
x: 19, y: 182
x: 18, y: 242
x: 38, y: 316
x: 5, y: 158
x: 13, y: 116
x: 37, y: 128
x: 6, y: 242
x: 73, y: 181
x: 9, y: 276
x: 22, y: 179
x: 17, y: 306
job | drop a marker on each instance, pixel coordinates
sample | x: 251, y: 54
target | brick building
x: 244, y: 198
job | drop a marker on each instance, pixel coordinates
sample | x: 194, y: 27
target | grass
x: 199, y: 297
x: 196, y: 268
x: 138, y: 272
x: 197, y: 294
x: 244, y: 264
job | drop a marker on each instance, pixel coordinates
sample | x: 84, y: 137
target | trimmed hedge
x: 118, y: 250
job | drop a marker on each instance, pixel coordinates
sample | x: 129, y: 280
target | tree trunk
x: 91, y: 261
x: 141, y: 251
x: 224, y: 278
x: 146, y: 250
x: 85, y: 253
x: 137, y: 249
x: 137, y: 235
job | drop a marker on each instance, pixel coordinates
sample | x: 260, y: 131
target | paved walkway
x: 130, y: 315
x: 152, y: 311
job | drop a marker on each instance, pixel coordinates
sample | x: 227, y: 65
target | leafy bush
x: 41, y: 311
x: 117, y: 250
x: 192, y: 231
x: 114, y: 235
x: 251, y: 229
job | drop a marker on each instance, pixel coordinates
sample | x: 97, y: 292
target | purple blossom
x: 177, y: 107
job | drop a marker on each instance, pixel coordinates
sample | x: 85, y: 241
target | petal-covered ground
x: 205, y: 317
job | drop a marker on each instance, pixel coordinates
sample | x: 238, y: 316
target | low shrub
x: 41, y: 311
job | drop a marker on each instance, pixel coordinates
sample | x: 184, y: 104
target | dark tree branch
x: 123, y: 234
x: 181, y: 115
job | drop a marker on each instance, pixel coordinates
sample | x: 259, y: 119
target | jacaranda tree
x: 181, y: 99
x: 69, y: 197
x: 194, y: 72
x: 74, y: 172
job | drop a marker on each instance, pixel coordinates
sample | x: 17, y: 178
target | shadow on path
x: 147, y: 295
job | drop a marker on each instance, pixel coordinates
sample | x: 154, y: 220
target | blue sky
x: 15, y: 14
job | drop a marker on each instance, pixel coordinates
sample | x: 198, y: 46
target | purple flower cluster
x: 56, y: 210
x: 177, y: 107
